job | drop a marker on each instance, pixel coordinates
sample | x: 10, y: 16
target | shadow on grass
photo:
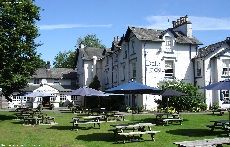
x: 194, y: 132
x: 155, y: 121
x: 108, y: 137
x: 7, y: 117
x: 70, y: 128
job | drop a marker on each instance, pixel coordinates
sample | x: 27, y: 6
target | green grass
x: 12, y: 132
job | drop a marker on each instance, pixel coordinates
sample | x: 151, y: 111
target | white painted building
x: 212, y: 65
x: 58, y: 81
x: 146, y: 55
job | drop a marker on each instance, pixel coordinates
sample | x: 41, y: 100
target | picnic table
x: 166, y: 118
x: 130, y: 131
x: 114, y: 115
x: 204, y: 142
x: 93, y: 119
x: 218, y: 111
x: 220, y: 124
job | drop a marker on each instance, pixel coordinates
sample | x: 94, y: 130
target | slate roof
x: 156, y: 35
x: 55, y: 73
x: 205, y: 51
x: 89, y: 52
x: 60, y: 88
x: 145, y: 34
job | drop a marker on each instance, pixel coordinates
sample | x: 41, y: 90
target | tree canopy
x: 193, y: 100
x: 18, y: 32
x: 67, y: 59
x: 64, y: 59
x: 91, y: 40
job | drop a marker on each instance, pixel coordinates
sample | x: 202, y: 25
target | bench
x: 171, y: 120
x: 204, y: 142
x: 212, y: 127
x: 219, y: 111
x: 118, y: 117
x: 77, y: 122
x: 138, y: 133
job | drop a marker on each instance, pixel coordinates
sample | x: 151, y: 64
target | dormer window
x: 168, y: 44
x: 225, y: 67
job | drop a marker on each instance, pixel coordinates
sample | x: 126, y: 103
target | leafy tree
x: 192, y: 101
x: 67, y: 59
x: 64, y: 59
x: 95, y: 84
x: 91, y: 41
x: 18, y: 32
x: 41, y: 62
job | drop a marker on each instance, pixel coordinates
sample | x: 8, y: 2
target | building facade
x: 212, y: 64
x: 58, y: 81
x: 148, y: 56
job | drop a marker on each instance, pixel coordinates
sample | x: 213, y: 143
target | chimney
x: 81, y: 45
x: 183, y: 25
x: 47, y: 65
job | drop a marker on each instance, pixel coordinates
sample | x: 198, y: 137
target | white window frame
x: 226, y: 96
x: 168, y: 44
x: 170, y: 74
x: 225, y: 67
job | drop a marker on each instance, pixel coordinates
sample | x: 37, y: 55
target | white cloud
x: 198, y: 23
x: 72, y: 26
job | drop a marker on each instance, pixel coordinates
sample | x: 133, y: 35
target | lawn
x: 12, y: 132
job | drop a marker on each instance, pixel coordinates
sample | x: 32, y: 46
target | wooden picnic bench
x: 130, y: 131
x: 220, y: 124
x: 204, y: 142
x: 130, y: 135
x: 86, y: 120
x: 168, y: 121
x: 218, y: 111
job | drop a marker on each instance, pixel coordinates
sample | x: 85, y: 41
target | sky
x: 62, y: 22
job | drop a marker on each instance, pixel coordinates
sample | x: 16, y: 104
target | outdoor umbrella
x: 133, y: 87
x: 221, y: 85
x: 170, y: 93
x: 86, y: 91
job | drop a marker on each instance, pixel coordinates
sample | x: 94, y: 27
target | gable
x: 218, y: 49
x: 46, y: 88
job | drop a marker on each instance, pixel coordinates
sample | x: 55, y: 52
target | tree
x: 67, y: 59
x: 95, y: 84
x: 91, y: 41
x: 64, y: 59
x: 192, y: 101
x: 18, y: 32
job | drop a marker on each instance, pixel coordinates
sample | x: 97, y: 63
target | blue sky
x: 64, y: 21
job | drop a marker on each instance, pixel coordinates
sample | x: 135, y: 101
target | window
x: 125, y: 52
x: 122, y: 72
x: 36, y: 81
x: 62, y: 97
x: 134, y: 70
x: 198, y: 68
x: 115, y: 74
x: 56, y: 80
x: 168, y: 44
x: 74, y: 98
x: 225, y: 96
x: 133, y: 46
x: 225, y: 67
x: 169, y: 68
x: 107, y: 60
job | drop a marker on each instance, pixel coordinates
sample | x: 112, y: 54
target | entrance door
x: 46, y: 101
